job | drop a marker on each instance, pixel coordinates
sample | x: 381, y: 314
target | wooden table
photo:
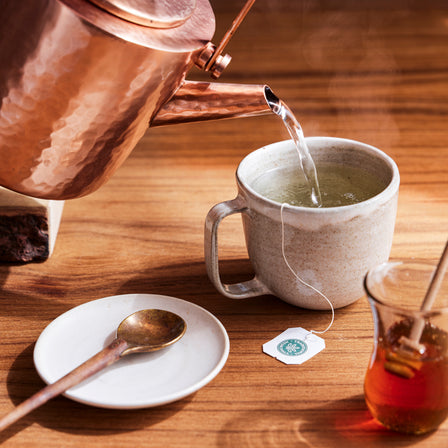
x: 374, y: 71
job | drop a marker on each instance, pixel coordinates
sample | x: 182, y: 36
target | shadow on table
x: 64, y: 415
x: 54, y: 296
x: 342, y: 423
x: 4, y: 272
x: 189, y: 281
x: 38, y: 298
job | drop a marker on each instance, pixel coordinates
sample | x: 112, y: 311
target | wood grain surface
x: 375, y: 71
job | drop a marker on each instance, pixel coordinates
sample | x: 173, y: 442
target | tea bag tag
x: 294, y: 346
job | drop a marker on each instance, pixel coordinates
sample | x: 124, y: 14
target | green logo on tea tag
x: 292, y: 347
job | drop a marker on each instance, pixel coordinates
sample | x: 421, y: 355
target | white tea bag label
x: 294, y: 346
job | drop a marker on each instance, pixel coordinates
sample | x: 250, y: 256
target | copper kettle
x: 80, y: 80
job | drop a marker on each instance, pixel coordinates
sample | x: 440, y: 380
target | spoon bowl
x: 150, y: 330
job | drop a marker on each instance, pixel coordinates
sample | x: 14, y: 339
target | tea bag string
x: 301, y: 280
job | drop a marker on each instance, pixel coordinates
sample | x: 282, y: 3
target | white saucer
x: 140, y: 380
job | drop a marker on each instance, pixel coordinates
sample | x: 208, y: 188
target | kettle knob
x: 209, y: 61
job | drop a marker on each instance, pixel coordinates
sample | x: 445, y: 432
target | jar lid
x: 150, y: 13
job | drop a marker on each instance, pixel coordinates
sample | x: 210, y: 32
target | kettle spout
x: 201, y: 101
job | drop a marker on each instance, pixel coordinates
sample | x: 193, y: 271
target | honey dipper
x: 407, y: 359
x: 413, y: 341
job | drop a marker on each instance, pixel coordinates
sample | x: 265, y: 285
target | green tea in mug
x: 339, y: 185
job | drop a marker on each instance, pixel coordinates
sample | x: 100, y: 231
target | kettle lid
x: 165, y: 25
x: 150, y: 13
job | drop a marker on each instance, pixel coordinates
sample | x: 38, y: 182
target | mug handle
x: 243, y: 290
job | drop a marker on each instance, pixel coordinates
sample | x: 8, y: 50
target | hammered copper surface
x: 201, y: 101
x: 80, y: 85
x: 75, y: 100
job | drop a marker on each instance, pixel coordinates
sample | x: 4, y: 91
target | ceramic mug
x: 328, y: 248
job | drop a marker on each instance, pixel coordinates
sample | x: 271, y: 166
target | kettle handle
x: 211, y: 58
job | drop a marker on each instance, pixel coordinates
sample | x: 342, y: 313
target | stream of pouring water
x: 295, y: 131
x: 309, y: 169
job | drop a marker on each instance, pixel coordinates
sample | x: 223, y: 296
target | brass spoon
x: 143, y: 331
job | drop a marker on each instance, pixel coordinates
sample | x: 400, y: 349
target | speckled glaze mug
x: 329, y: 248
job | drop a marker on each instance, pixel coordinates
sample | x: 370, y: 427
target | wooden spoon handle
x: 436, y: 281
x: 93, y: 365
x: 434, y: 286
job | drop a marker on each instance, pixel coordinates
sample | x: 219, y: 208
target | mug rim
x: 387, y: 192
